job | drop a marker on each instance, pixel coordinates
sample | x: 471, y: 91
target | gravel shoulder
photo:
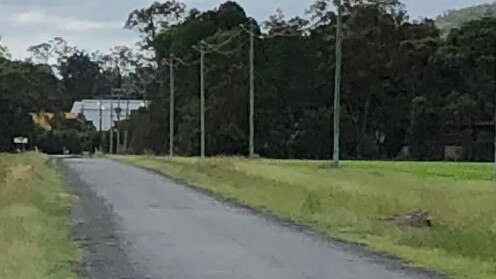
x: 95, y: 229
x: 135, y: 223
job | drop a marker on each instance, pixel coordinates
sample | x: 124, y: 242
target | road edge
x: 390, y: 262
x: 104, y: 253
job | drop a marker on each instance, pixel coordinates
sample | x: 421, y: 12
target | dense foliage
x: 404, y: 83
x: 456, y: 18
x: 408, y: 88
x: 29, y: 87
x: 24, y: 88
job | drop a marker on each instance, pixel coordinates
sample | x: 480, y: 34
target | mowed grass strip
x: 34, y: 224
x: 350, y: 202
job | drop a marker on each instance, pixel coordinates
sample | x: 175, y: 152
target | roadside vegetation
x: 456, y: 18
x: 351, y: 203
x: 34, y: 227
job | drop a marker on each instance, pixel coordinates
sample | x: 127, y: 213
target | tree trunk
x: 365, y: 118
x: 366, y: 113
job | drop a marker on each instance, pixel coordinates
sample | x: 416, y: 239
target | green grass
x: 348, y: 202
x: 457, y: 171
x: 34, y: 227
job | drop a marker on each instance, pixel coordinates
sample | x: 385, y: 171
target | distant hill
x: 455, y: 18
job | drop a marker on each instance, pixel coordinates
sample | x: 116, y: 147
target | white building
x: 93, y: 109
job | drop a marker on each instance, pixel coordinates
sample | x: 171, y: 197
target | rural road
x: 137, y: 224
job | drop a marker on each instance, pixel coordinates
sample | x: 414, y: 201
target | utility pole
x: 251, y: 32
x: 118, y: 144
x: 171, y: 106
x: 204, y: 48
x: 100, y: 126
x: 111, y: 131
x: 252, y: 93
x: 251, y: 109
x: 337, y: 85
x: 202, y: 101
x: 494, y: 61
x: 126, y: 132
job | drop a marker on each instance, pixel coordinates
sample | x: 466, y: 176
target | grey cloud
x: 57, y: 22
x: 97, y: 24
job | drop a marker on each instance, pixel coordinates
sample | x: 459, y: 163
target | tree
x: 82, y: 77
x: 24, y: 89
x: 456, y: 18
x: 4, y: 50
x: 404, y: 83
x: 53, y: 52
x: 153, y: 19
x: 76, y: 135
x: 425, y: 130
x: 215, y: 27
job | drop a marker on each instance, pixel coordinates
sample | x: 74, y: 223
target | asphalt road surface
x: 137, y: 224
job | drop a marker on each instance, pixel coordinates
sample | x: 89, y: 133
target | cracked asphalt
x: 135, y: 223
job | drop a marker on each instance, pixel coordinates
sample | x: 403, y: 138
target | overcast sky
x: 97, y: 24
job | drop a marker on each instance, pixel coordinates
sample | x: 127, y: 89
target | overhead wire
x: 284, y: 33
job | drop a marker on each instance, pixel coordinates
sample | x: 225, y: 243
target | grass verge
x: 349, y: 202
x: 34, y: 227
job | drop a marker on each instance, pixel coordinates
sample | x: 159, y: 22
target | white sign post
x: 21, y: 141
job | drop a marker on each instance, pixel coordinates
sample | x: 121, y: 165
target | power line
x: 284, y: 33
x: 227, y: 52
x: 171, y: 63
x: 218, y: 46
x: 187, y: 64
x: 252, y: 35
x: 205, y: 48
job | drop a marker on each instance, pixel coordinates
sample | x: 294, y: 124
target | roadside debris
x: 415, y: 218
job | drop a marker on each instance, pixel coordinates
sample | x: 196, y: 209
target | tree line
x: 455, y: 18
x: 405, y: 84
x: 47, y: 84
